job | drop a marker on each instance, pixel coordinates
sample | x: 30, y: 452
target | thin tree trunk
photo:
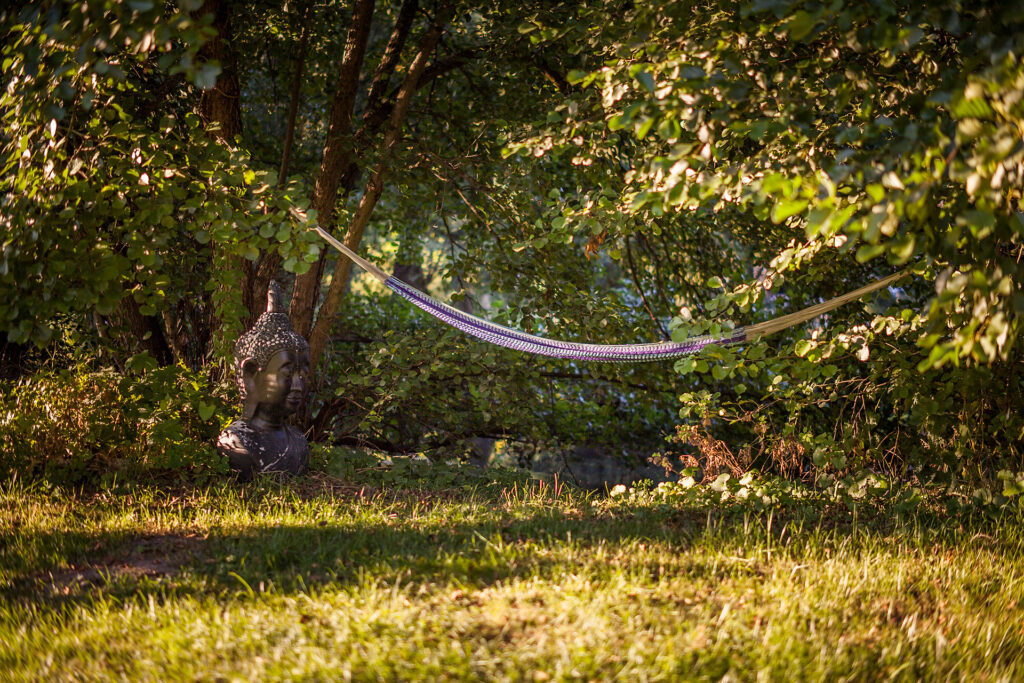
x: 336, y: 157
x: 374, y: 188
x: 296, y: 92
x: 378, y: 104
x: 145, y: 330
x: 375, y: 99
x: 220, y: 104
x: 267, y: 266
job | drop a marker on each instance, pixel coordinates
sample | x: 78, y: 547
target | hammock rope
x: 608, y: 353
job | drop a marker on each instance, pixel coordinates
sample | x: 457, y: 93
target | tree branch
x: 266, y: 268
x: 374, y: 188
x: 639, y: 288
x: 336, y: 158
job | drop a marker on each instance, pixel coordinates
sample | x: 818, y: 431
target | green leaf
x: 869, y: 251
x: 575, y: 76
x: 981, y: 223
x: 685, y: 366
x: 617, y: 122
x: 784, y: 208
x: 205, y: 410
x: 903, y: 248
x: 643, y: 126
x: 647, y: 80
x: 800, y: 25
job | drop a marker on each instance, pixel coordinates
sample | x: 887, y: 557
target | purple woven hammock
x: 520, y: 341
x: 607, y: 353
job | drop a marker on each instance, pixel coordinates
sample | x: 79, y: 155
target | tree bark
x: 220, y: 104
x: 336, y: 158
x: 270, y: 262
x: 378, y: 104
x: 295, y: 95
x: 375, y: 99
x: 374, y: 188
x: 145, y: 330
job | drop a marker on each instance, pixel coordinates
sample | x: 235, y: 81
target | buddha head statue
x: 272, y: 364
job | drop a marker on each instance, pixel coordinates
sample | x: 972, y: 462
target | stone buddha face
x: 272, y: 365
x: 272, y: 369
x: 277, y: 390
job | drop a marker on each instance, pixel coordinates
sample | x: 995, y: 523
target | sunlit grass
x: 307, y: 580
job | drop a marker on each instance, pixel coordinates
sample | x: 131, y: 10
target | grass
x: 324, y: 579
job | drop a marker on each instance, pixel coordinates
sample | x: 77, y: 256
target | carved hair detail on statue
x: 272, y: 333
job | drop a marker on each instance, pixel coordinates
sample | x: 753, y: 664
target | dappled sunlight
x: 227, y: 454
x: 490, y: 583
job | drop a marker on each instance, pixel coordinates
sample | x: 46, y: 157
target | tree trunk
x: 378, y: 104
x: 12, y: 356
x: 270, y: 262
x: 336, y: 157
x: 220, y: 104
x: 296, y: 92
x: 374, y: 188
x: 375, y: 99
x: 145, y: 331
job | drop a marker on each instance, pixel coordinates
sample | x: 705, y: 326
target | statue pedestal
x: 250, y: 451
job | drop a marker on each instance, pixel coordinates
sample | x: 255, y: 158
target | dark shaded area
x: 12, y: 358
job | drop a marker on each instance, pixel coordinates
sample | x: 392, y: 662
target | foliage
x: 415, y: 473
x: 809, y: 140
x: 98, y: 171
x: 892, y: 137
x: 428, y: 388
x: 864, y: 493
x: 73, y: 427
x: 684, y: 168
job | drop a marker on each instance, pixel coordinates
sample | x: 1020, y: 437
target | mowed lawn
x: 330, y: 579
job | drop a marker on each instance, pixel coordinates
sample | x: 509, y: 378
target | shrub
x: 81, y: 426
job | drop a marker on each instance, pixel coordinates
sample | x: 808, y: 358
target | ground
x: 464, y: 577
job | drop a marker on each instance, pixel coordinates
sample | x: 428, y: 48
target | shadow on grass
x: 77, y: 568
x: 303, y: 556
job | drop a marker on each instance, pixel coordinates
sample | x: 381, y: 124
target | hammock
x: 608, y: 353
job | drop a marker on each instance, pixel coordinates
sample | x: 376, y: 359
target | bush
x: 80, y: 426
